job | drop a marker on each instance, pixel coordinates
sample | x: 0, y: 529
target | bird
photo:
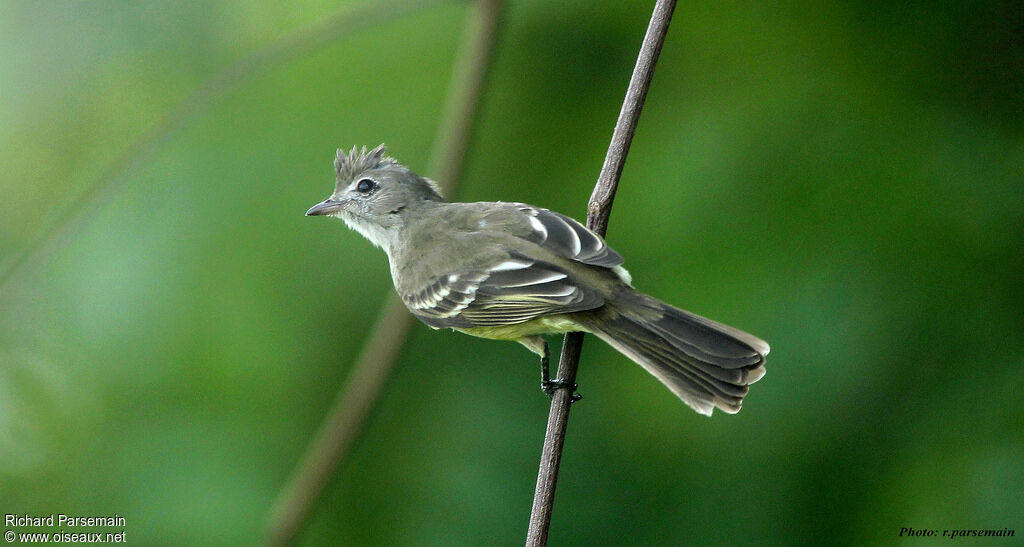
x: 513, y: 271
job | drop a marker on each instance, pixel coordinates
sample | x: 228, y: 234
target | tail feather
x: 705, y: 363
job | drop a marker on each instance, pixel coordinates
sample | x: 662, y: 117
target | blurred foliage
x: 842, y: 179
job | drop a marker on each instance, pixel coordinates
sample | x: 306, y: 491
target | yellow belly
x: 552, y: 324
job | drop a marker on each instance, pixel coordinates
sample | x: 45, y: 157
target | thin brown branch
x: 215, y: 89
x: 357, y: 397
x: 598, y: 212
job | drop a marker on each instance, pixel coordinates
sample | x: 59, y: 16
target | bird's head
x: 374, y: 192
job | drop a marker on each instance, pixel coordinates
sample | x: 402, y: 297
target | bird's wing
x: 562, y: 235
x: 514, y: 290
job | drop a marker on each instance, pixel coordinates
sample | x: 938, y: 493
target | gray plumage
x: 514, y: 271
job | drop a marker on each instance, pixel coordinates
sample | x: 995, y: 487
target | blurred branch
x: 210, y: 93
x: 598, y: 212
x: 354, y: 401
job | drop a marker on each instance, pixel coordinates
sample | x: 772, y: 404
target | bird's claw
x: 550, y: 386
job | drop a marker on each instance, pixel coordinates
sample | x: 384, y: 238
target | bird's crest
x: 348, y: 165
x: 355, y: 161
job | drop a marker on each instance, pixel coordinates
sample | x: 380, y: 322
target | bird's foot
x: 550, y: 386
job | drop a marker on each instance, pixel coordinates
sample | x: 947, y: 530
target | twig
x: 598, y: 211
x: 210, y: 93
x: 354, y: 401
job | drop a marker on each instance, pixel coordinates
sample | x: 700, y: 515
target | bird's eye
x: 365, y: 186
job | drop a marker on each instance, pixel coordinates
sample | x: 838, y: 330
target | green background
x: 842, y: 179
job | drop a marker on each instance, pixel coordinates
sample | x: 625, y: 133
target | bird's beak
x: 325, y: 207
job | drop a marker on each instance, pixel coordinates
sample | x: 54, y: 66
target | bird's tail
x: 705, y: 363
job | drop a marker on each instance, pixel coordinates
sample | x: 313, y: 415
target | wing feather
x: 515, y: 290
x: 567, y: 237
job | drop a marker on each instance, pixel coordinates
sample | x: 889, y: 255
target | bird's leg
x: 539, y: 345
x: 545, y: 370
